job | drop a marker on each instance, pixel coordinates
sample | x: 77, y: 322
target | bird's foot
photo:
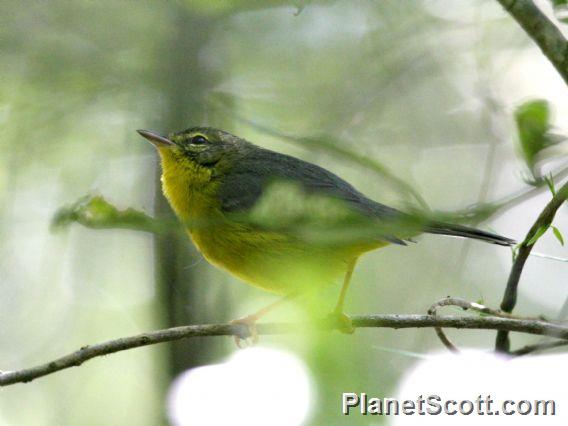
x: 250, y: 334
x: 342, y: 322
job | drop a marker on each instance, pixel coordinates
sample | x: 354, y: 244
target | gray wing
x: 244, y: 184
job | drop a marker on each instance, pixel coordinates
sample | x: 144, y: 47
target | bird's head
x: 196, y: 156
x: 192, y: 160
x: 196, y: 147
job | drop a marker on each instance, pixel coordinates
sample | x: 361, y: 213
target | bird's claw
x: 249, y: 336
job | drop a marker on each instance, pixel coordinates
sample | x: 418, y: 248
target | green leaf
x: 533, y: 124
x: 537, y: 235
x: 550, y: 183
x: 561, y: 10
x: 93, y: 211
x: 558, y: 234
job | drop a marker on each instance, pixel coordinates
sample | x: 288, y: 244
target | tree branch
x: 86, y: 353
x: 543, y: 221
x: 465, y: 305
x: 542, y: 30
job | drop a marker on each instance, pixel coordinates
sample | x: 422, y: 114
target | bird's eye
x: 199, y: 140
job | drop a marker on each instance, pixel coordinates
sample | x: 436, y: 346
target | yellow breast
x: 269, y: 260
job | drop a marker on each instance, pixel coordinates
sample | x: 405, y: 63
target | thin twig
x: 528, y: 349
x: 439, y: 332
x: 477, y: 213
x: 530, y: 326
x: 544, y: 220
x: 549, y: 257
x: 465, y: 305
x: 545, y: 342
x: 512, y: 200
x: 542, y: 30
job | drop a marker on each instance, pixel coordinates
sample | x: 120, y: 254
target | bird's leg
x: 250, y: 320
x: 342, y: 320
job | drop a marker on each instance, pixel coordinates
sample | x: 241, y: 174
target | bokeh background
x: 427, y: 88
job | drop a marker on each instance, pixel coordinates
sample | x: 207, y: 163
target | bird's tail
x: 467, y: 232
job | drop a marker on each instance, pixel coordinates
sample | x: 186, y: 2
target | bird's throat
x: 187, y: 186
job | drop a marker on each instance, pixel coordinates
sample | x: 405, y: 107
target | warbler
x: 215, y: 181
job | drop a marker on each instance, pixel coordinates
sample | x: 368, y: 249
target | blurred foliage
x: 328, y: 144
x: 561, y: 9
x: 533, y: 123
x: 97, y: 213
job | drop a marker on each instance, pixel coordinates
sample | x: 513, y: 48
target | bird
x: 277, y: 222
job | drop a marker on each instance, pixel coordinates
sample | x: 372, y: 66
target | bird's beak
x: 155, y: 139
